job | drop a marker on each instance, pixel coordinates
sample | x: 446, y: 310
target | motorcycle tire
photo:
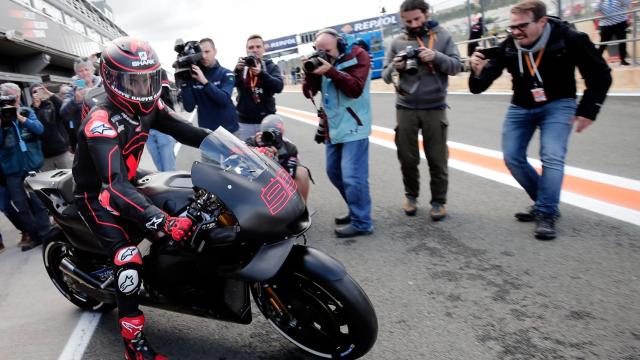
x: 53, y: 252
x: 330, y: 319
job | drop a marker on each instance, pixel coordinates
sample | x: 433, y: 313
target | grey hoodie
x: 424, y: 90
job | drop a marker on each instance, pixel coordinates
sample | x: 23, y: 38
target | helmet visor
x: 136, y: 86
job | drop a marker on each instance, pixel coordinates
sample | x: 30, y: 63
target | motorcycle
x: 248, y: 219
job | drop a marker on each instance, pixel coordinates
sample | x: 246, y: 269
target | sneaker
x: 410, y: 206
x: 624, y: 62
x: 545, y: 227
x: 136, y: 346
x: 343, y: 220
x: 438, y: 212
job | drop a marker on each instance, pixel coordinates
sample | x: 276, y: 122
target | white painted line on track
x: 79, y: 339
x: 498, y: 93
x: 618, y: 212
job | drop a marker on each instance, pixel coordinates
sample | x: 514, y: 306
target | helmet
x: 272, y: 121
x: 131, y: 72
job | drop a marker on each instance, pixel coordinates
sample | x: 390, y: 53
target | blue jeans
x: 554, y: 121
x: 348, y: 170
x: 31, y: 213
x: 160, y: 147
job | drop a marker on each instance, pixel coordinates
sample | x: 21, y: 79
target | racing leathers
x: 110, y: 146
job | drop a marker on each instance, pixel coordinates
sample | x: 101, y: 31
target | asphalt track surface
x: 475, y: 286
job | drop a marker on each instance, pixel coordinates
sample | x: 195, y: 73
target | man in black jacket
x: 257, y: 80
x: 55, y: 139
x: 541, y: 54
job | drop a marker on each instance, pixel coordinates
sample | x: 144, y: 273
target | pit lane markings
x: 609, y: 195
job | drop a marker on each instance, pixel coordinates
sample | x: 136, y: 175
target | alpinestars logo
x: 129, y: 252
x: 154, y: 222
x: 144, y: 60
x: 128, y: 281
x: 102, y: 129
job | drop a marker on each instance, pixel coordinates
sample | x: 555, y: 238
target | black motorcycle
x: 248, y: 215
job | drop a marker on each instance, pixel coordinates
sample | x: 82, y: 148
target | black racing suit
x: 110, y: 145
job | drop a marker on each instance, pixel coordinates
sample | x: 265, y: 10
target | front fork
x: 284, y: 317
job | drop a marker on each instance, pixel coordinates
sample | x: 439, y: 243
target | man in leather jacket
x: 110, y: 144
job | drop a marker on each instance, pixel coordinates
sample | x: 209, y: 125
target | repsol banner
x: 370, y: 24
x: 281, y: 43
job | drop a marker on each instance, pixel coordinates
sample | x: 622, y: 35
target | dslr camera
x: 250, y: 60
x: 411, y: 58
x: 313, y: 61
x: 8, y: 110
x: 189, y: 53
x: 272, y: 137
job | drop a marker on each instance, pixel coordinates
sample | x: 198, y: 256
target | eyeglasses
x: 520, y: 27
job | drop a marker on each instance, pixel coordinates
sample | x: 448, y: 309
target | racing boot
x: 136, y: 346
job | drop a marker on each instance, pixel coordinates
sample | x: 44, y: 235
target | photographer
x: 341, y: 72
x: 257, y: 80
x: 541, y: 54
x: 210, y: 89
x: 21, y: 152
x: 71, y: 109
x: 422, y: 57
x: 271, y: 142
x: 55, y: 139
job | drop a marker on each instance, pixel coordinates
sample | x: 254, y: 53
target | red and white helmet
x: 131, y: 73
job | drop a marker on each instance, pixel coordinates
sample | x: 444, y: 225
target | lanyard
x: 533, y: 68
x: 432, y: 39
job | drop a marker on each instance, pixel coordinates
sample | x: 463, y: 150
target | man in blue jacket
x: 21, y: 152
x: 211, y: 89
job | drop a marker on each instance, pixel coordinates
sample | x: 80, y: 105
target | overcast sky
x: 229, y: 23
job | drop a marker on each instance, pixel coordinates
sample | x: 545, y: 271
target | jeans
x: 246, y: 131
x: 31, y: 214
x: 160, y: 147
x: 8, y: 210
x: 554, y: 120
x: 348, y: 170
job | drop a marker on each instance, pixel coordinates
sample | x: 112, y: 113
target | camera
x: 313, y: 61
x: 272, y: 137
x: 189, y: 54
x: 250, y: 61
x: 411, y: 58
x: 8, y: 111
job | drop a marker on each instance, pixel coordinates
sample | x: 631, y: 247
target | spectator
x: 210, y: 89
x: 282, y: 150
x: 421, y: 102
x: 161, y: 145
x: 344, y: 83
x: 21, y: 152
x: 10, y: 213
x: 614, y: 25
x: 71, y: 109
x: 294, y: 77
x: 257, y: 81
x: 55, y: 139
x: 476, y: 32
x: 544, y: 96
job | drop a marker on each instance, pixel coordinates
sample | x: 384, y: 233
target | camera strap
x: 322, y: 117
x: 432, y: 40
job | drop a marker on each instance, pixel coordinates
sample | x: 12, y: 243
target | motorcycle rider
x: 110, y: 144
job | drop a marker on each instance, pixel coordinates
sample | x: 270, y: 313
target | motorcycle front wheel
x: 330, y: 319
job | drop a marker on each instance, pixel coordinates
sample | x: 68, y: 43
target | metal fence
x: 633, y: 38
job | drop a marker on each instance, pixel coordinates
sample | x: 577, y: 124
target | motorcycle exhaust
x: 72, y: 271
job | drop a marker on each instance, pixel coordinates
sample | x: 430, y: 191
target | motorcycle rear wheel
x: 330, y: 319
x: 52, y: 254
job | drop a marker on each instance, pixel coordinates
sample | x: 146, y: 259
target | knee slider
x: 128, y: 263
